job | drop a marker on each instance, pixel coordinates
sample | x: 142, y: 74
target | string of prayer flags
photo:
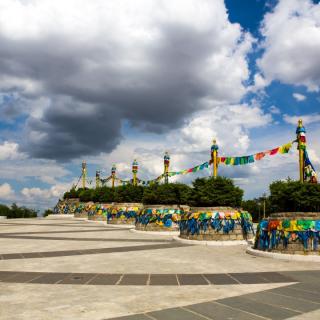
x: 236, y: 161
x: 186, y: 171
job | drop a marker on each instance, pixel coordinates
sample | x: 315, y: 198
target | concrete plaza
x: 73, y: 269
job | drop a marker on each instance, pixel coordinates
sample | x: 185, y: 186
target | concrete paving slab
x: 50, y: 278
x: 5, y: 276
x: 134, y: 280
x: 283, y: 301
x: 192, y: 279
x: 176, y: 313
x: 105, y: 279
x: 249, y: 277
x: 220, y: 279
x: 100, y: 296
x: 221, y: 312
x: 77, y: 278
x: 23, y: 277
x: 258, y: 308
x: 134, y: 317
x: 296, y: 292
x: 164, y: 280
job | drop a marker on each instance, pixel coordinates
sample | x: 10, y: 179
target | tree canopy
x: 220, y: 191
x: 204, y: 192
x: 291, y: 196
x: 17, y: 212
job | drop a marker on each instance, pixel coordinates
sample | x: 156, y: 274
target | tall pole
x: 301, y: 139
x: 113, y: 174
x: 214, y: 157
x: 84, y: 174
x: 166, y: 163
x: 97, y: 179
x: 135, y: 171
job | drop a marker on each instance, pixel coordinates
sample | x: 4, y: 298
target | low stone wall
x: 67, y: 206
x: 123, y: 213
x: 216, y: 224
x: 98, y: 211
x: 159, y: 218
x: 97, y: 217
x: 121, y: 221
x: 82, y: 214
x: 289, y: 232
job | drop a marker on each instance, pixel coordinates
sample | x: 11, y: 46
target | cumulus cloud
x: 10, y: 151
x: 299, y: 97
x: 190, y: 144
x: 6, y: 192
x: 94, y: 65
x: 292, y: 44
x: 307, y: 119
x: 46, y: 171
x: 55, y: 191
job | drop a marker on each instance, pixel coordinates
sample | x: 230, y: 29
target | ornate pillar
x: 113, y: 174
x: 214, y: 157
x: 301, y: 139
x: 166, y: 163
x: 135, y: 171
x: 84, y: 174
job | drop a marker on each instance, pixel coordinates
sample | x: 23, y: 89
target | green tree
x: 291, y: 196
x: 128, y: 193
x: 103, y: 194
x: 4, y: 210
x: 47, y: 212
x: 86, y: 195
x: 172, y: 193
x: 218, y: 191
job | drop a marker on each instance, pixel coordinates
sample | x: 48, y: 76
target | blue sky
x: 112, y: 81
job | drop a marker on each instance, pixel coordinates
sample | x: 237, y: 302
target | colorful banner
x: 235, y: 161
x: 186, y: 171
x: 148, y: 182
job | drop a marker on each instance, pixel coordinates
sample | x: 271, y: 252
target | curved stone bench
x: 216, y: 224
x: 289, y: 232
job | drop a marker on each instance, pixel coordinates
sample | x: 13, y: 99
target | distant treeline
x: 285, y: 196
x: 17, y: 212
x: 203, y: 192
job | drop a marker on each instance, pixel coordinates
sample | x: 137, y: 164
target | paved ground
x: 72, y: 269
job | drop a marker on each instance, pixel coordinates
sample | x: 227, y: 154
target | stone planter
x: 123, y: 213
x: 82, y: 215
x: 216, y: 224
x: 67, y: 206
x: 289, y: 232
x: 159, y: 218
x: 98, y: 211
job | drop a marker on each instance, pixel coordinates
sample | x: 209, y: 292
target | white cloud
x: 55, y: 191
x: 292, y: 44
x: 121, y: 60
x: 307, y: 119
x: 274, y: 110
x: 299, y: 97
x: 9, y: 151
x: 189, y: 145
x: 6, y: 192
x: 47, y: 171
